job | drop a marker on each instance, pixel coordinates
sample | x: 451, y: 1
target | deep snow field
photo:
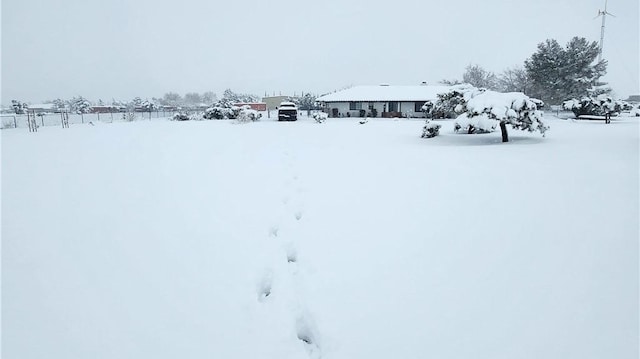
x: 210, y: 239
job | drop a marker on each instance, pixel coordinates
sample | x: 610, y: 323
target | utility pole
x: 604, y: 17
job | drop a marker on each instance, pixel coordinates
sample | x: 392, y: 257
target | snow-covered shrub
x: 363, y: 121
x: 485, y: 110
x: 320, y: 117
x: 635, y: 111
x: 430, y: 129
x: 597, y: 106
x: 180, y: 116
x: 128, y: 116
x: 248, y: 115
x: 222, y: 110
x: 427, y: 109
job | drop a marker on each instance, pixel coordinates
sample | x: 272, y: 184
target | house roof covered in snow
x: 385, y: 93
x: 43, y: 106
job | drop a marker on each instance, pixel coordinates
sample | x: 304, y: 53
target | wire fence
x: 64, y: 119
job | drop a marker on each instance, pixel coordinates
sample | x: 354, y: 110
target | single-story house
x: 633, y: 98
x: 380, y: 100
x: 43, y: 108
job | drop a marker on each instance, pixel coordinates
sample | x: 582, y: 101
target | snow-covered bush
x: 485, y: 110
x: 427, y: 109
x: 597, y: 106
x: 320, y: 117
x: 128, y: 116
x: 222, y: 110
x: 430, y: 129
x: 248, y: 115
x: 635, y: 111
x: 180, y: 116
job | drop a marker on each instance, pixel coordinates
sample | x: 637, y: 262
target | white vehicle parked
x: 287, y: 111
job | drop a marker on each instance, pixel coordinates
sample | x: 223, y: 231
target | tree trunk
x: 503, y: 129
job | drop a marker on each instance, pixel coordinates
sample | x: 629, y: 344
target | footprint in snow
x: 298, y: 215
x: 273, y: 231
x: 264, y: 287
x: 306, y: 335
x: 292, y: 254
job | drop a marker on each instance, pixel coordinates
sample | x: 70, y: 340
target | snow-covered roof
x: 44, y: 106
x: 385, y: 93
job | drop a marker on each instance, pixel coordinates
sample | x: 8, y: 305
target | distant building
x: 273, y: 102
x: 633, y: 98
x: 382, y: 100
x: 43, y: 108
x: 104, y: 109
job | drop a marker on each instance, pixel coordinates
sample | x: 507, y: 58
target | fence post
x: 98, y: 116
x: 15, y: 122
x: 82, y: 117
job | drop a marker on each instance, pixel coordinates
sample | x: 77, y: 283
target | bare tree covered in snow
x: 475, y: 75
x: 514, y: 80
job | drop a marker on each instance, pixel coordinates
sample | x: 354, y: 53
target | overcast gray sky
x: 125, y: 48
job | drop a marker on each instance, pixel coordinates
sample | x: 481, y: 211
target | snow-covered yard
x: 209, y: 239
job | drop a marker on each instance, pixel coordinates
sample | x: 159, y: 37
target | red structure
x: 258, y: 106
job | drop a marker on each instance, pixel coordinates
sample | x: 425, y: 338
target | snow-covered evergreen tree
x: 19, y: 107
x: 147, y: 106
x: 452, y: 103
x: 79, y: 105
x: 59, y: 104
x: 557, y: 74
x: 485, y: 110
x: 135, y: 103
x: 308, y: 102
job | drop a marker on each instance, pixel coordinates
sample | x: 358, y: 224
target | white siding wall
x: 408, y: 108
x: 343, y: 108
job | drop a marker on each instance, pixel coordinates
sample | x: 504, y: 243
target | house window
x: 419, y: 105
x: 355, y: 105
